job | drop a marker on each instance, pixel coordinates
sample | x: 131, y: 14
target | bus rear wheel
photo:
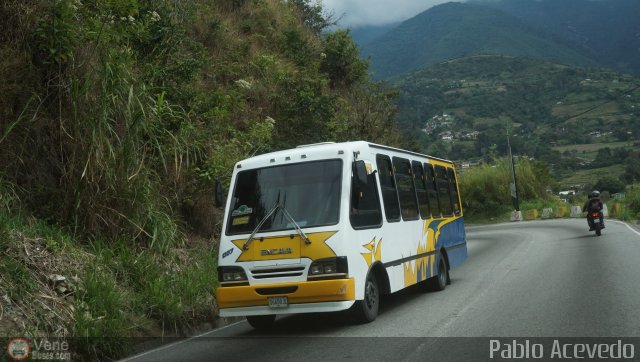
x: 261, y: 321
x: 440, y: 281
x: 366, y: 310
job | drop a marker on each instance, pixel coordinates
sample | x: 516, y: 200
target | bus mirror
x: 219, y: 193
x: 361, y: 172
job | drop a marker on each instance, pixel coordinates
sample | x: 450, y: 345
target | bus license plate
x: 278, y: 302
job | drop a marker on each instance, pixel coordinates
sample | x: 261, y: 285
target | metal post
x: 513, y: 186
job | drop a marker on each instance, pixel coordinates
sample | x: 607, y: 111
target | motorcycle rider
x: 594, y: 204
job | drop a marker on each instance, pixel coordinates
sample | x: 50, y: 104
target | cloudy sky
x: 356, y: 13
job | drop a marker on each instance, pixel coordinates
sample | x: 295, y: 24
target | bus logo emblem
x: 227, y: 253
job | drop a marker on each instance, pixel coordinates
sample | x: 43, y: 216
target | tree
x: 341, y: 60
x: 368, y: 115
x: 609, y: 183
x: 632, y: 169
x: 603, y: 158
x: 313, y: 15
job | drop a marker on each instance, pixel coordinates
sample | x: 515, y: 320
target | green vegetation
x: 491, y: 68
x: 53, y: 285
x: 592, y: 176
x: 485, y: 191
x: 495, y: 94
x: 633, y: 201
x: 117, y: 116
x: 591, y: 148
x: 600, y: 22
x: 487, y: 85
x: 628, y: 206
x: 486, y: 196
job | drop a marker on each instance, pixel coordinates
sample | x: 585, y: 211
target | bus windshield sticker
x: 242, y: 210
x: 240, y: 220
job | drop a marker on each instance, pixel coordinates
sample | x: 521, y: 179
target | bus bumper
x: 303, y: 297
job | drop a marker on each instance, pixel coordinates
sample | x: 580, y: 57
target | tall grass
x: 173, y: 288
x: 102, y: 316
x: 126, y: 156
x: 632, y: 201
x: 100, y: 148
x: 115, y: 118
x: 485, y: 190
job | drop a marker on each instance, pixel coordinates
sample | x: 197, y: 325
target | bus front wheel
x: 366, y: 310
x: 261, y: 321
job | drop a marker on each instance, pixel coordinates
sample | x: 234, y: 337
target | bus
x: 332, y: 226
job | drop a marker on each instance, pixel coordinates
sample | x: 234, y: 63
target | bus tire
x: 366, y: 310
x: 440, y: 281
x: 261, y: 322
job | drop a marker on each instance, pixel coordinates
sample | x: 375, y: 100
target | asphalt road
x: 530, y: 279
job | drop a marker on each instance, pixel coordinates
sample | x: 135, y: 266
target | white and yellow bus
x: 331, y: 226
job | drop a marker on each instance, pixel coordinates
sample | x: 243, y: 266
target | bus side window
x: 432, y: 191
x: 406, y: 189
x: 453, y: 185
x: 365, y: 204
x: 419, y: 180
x: 388, y: 187
x: 443, y: 190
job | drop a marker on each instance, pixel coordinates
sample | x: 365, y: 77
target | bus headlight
x: 231, y: 275
x: 316, y: 269
x: 330, y: 268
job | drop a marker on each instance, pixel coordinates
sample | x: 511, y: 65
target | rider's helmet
x: 593, y: 194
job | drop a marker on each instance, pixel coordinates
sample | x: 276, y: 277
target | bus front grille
x: 277, y: 272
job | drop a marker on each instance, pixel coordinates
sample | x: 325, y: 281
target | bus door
x: 365, y: 213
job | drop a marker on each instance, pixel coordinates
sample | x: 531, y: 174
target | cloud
x: 356, y: 13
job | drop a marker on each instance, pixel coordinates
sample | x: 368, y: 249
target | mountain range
x: 551, y: 73
x: 601, y: 34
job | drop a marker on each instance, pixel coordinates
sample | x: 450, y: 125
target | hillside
x: 462, y: 108
x: 365, y: 34
x: 610, y: 30
x: 455, y: 30
x: 117, y: 118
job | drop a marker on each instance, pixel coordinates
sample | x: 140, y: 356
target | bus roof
x: 329, y: 148
x: 374, y: 145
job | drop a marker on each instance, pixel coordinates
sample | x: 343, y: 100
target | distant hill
x: 608, y: 29
x: 455, y: 30
x: 366, y: 34
x: 545, y: 103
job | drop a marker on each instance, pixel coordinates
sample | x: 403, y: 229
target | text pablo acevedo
x: 525, y: 349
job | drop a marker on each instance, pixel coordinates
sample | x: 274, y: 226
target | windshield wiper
x: 303, y: 236
x: 275, y: 208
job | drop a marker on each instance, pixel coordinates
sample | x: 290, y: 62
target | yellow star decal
x: 289, y: 246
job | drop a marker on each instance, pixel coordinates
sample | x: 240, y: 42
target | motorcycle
x: 596, y: 220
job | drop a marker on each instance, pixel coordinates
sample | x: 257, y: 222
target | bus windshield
x: 309, y: 191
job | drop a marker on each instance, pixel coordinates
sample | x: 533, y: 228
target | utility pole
x: 513, y: 186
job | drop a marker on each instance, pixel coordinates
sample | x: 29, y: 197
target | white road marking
x: 628, y: 226
x: 179, y: 342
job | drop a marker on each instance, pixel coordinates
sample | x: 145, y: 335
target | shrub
x: 632, y: 200
x: 486, y: 189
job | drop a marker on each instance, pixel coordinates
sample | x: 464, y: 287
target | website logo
x: 18, y: 349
